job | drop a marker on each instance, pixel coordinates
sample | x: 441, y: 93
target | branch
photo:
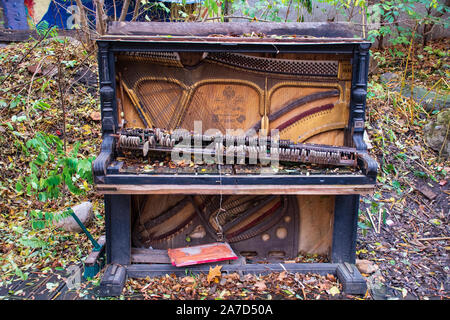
x: 136, y: 10
x: 126, y: 5
x: 235, y: 17
x: 99, y: 25
x: 83, y: 20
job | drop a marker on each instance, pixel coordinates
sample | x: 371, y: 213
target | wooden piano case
x: 306, y: 81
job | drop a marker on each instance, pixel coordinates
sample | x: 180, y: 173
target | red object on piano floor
x: 206, y: 253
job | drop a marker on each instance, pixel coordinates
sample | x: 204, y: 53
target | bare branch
x: 136, y: 10
x: 123, y: 14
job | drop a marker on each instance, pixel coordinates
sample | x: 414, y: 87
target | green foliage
x: 432, y: 12
x: 270, y: 10
x: 347, y: 7
x: 41, y: 219
x: 51, y: 169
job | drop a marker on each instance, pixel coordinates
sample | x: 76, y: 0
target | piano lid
x: 291, y: 32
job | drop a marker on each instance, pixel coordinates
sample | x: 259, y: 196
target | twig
x: 379, y: 220
x: 371, y: 220
x: 235, y: 17
x: 287, y: 11
x: 31, y: 87
x: 434, y: 239
x: 99, y: 25
x: 137, y: 6
x: 82, y: 13
x: 411, y: 45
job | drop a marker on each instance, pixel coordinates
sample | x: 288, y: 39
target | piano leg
x: 343, y: 249
x: 344, y: 229
x: 118, y: 244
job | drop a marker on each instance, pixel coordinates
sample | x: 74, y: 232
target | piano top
x: 234, y: 32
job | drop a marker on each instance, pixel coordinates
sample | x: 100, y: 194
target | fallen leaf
x: 324, y: 286
x: 289, y: 261
x: 404, y: 292
x: 86, y: 129
x: 436, y: 222
x: 96, y: 116
x: 260, y: 285
x: 282, y: 276
x: 176, y: 287
x: 331, y: 277
x: 234, y: 276
x: 188, y: 280
x: 213, y: 273
x: 334, y: 291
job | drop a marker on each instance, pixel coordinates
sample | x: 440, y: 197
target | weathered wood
x: 236, y: 189
x: 113, y: 280
x: 344, y: 229
x: 118, y: 235
x: 234, y: 76
x: 316, y: 223
x: 193, y: 29
x: 139, y: 255
x: 8, y: 35
x: 92, y: 258
x: 144, y: 270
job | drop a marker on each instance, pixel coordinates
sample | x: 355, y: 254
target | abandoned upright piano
x: 249, y: 134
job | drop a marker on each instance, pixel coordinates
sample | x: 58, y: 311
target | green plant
x: 52, y: 170
x: 348, y: 8
x: 422, y: 15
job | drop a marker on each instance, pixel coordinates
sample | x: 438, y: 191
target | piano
x: 249, y: 134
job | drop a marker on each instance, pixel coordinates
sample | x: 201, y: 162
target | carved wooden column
x: 359, y: 92
x: 108, y: 107
x: 107, y: 88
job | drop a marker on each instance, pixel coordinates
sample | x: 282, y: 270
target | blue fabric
x: 60, y: 13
